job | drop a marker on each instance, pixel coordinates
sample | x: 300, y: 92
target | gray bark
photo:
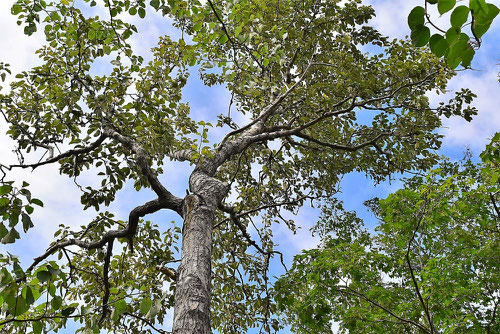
x: 192, y: 293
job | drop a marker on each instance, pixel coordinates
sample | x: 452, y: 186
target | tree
x: 456, y: 46
x: 432, y: 266
x: 318, y: 106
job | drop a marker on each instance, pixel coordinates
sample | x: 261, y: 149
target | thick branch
x: 268, y: 110
x: 182, y: 155
x: 129, y: 232
x: 170, y: 201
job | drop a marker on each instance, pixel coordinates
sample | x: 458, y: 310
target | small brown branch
x: 4, y: 322
x: 414, y: 280
x: 233, y: 43
x: 409, y: 321
x: 147, y: 322
x: 493, y: 201
x: 370, y: 142
x: 242, y: 228
x: 66, y: 154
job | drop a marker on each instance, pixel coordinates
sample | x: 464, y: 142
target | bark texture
x: 192, y: 294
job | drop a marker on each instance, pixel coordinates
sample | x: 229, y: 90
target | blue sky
x: 61, y: 197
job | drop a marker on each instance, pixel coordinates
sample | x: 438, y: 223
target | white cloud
x: 475, y: 134
x: 17, y: 49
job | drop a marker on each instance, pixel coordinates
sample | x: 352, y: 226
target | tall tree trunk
x: 192, y: 294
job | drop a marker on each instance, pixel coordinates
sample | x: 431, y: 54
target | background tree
x: 316, y: 105
x: 452, y: 43
x: 431, y: 267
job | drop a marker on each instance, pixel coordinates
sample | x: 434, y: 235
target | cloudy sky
x: 61, y: 198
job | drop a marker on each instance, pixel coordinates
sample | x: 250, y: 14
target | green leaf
x: 420, y: 36
x: 438, y: 45
x: 66, y: 312
x: 85, y: 310
x: 145, y: 305
x: 416, y: 17
x: 37, y: 327
x: 121, y: 306
x: 16, y: 9
x: 53, y: 270
x: 29, y: 209
x: 5, y: 189
x: 483, y: 23
x: 223, y: 38
x: 453, y: 62
x: 467, y: 57
x: 155, y: 4
x: 27, y: 223
x: 197, y: 26
x: 459, y: 16
x: 56, y: 303
x: 28, y: 294
x: 37, y: 202
x: 479, y: 7
x: 3, y: 231
x: 18, y: 270
x: 142, y: 13
x: 446, y: 5
x: 20, y: 307
x: 452, y: 35
x: 10, y: 237
x: 43, y: 276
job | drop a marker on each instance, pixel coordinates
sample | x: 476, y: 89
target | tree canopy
x: 432, y: 265
x: 321, y: 94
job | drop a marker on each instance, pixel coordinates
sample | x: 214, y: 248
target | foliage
x: 453, y: 44
x: 432, y: 266
x: 319, y: 106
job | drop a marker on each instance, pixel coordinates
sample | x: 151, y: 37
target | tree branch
x: 66, y: 154
x: 129, y: 232
x: 359, y: 294
x: 105, y: 275
x: 414, y: 280
x: 242, y: 228
x: 170, y: 201
x: 182, y: 155
x: 147, y: 322
x: 342, y: 147
x: 268, y: 110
